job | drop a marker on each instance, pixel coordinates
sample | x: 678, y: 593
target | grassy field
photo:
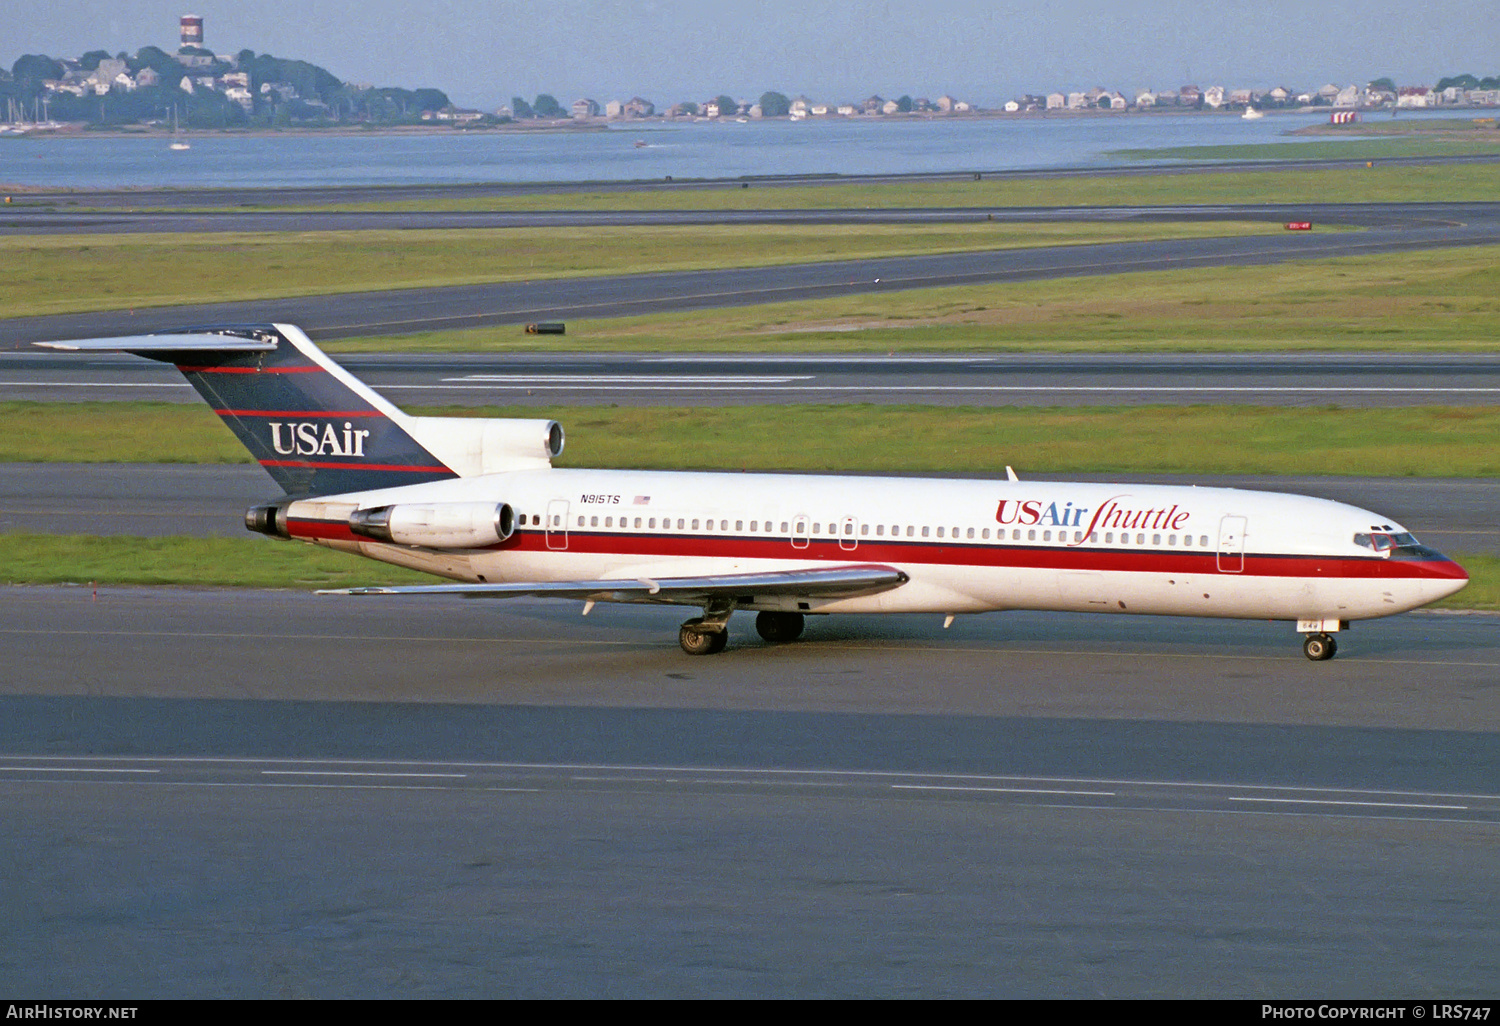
x: 252, y: 562
x: 1418, y: 442
x: 1439, y: 300
x: 1168, y: 186
x: 51, y: 274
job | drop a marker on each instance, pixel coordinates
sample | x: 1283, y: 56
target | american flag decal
x: 643, y: 500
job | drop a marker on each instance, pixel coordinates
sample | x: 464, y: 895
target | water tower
x: 192, y: 30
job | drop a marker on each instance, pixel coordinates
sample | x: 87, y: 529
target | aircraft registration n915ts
x: 478, y: 502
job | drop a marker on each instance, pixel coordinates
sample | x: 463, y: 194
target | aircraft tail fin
x: 313, y: 426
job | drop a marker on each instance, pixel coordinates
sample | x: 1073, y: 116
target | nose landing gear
x: 1319, y: 647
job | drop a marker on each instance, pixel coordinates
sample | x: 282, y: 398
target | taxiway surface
x: 274, y: 794
x: 542, y: 379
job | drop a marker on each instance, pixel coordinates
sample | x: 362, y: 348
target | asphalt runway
x: 159, y: 500
x: 405, y: 311
x: 246, y: 794
x: 543, y: 379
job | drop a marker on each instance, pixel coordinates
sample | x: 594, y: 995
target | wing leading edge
x: 832, y: 582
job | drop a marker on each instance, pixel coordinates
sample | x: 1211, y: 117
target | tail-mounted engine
x: 449, y: 525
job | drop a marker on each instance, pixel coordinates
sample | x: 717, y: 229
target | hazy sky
x: 671, y: 50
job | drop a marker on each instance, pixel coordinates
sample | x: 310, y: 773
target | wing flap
x: 830, y: 582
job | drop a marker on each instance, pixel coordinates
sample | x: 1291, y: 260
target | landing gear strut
x: 709, y: 633
x: 779, y: 627
x: 1319, y: 647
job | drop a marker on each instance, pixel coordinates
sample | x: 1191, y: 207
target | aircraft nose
x: 1444, y: 576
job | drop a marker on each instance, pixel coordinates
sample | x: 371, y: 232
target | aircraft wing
x: 175, y: 342
x: 829, y: 582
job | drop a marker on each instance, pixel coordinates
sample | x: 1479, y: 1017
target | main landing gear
x: 709, y: 633
x: 1319, y: 647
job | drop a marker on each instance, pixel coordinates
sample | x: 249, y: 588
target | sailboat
x: 176, y: 143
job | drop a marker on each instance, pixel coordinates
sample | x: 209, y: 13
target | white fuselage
x: 967, y: 545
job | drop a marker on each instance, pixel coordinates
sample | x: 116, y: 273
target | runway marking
x: 355, y: 773
x: 94, y: 384
x: 1331, y: 801
x: 70, y: 769
x: 612, y: 380
x: 997, y: 790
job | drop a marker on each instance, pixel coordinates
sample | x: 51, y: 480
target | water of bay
x: 640, y: 151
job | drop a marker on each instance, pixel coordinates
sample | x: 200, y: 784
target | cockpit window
x: 1384, y: 541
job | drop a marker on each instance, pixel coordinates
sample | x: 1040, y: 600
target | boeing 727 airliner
x: 478, y: 502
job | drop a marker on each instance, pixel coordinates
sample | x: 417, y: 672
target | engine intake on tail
x: 450, y: 525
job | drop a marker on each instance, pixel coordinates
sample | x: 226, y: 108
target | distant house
x: 1213, y: 97
x: 1077, y: 101
x: 872, y: 105
x: 1416, y: 96
x: 1240, y: 97
x: 147, y: 77
x: 945, y: 103
x: 585, y: 108
x: 799, y: 107
x: 636, y: 107
x: 1190, y: 96
x: 1145, y: 99
x: 1056, y: 101
x: 1347, y: 97
x: 890, y: 107
x: 1012, y: 106
x: 846, y: 110
x: 614, y: 109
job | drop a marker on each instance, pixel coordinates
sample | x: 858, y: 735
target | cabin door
x: 557, y: 524
x: 1232, y: 545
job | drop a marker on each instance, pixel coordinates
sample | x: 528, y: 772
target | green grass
x: 1417, y: 442
x: 51, y: 274
x: 253, y: 562
x: 1326, y: 149
x: 248, y: 562
x: 1173, y: 186
x: 1440, y: 301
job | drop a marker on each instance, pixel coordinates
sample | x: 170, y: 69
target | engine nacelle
x: 445, y: 525
x: 269, y: 518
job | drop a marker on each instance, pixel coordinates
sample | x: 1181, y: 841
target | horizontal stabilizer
x: 174, y: 343
x: 832, y: 582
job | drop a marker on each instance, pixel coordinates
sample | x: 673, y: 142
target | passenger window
x: 695, y: 523
x: 752, y: 525
x: 1203, y: 540
x: 970, y: 533
x: 864, y: 530
x: 926, y: 531
x: 1031, y: 535
x: 985, y: 534
x: 1140, y: 539
x: 1156, y: 539
x: 1109, y: 537
x: 817, y: 528
x: 651, y: 523
x: 1187, y: 540
x: 783, y: 527
x: 940, y: 532
x: 1046, y: 536
x: 880, y: 530
x: 910, y: 531
x: 723, y: 525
